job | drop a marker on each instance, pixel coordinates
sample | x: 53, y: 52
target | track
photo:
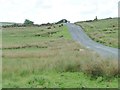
x: 79, y: 35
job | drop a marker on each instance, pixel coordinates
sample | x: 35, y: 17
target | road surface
x: 79, y: 35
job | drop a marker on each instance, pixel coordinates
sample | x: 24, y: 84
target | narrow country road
x: 79, y: 35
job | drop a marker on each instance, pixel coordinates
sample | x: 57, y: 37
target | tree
x: 28, y: 22
x: 96, y: 18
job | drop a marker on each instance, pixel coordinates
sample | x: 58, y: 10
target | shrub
x: 49, y: 28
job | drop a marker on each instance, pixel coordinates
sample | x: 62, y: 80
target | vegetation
x: 46, y: 56
x: 28, y: 22
x: 58, y: 80
x: 102, y: 31
x: 25, y: 24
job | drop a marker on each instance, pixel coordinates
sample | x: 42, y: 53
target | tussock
x: 61, y: 58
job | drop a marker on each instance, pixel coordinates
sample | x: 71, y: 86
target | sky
x: 44, y: 11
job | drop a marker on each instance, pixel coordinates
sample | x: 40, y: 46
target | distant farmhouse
x: 63, y: 21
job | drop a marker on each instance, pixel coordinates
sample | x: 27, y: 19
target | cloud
x: 42, y: 11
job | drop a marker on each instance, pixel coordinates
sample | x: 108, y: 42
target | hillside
x: 104, y: 31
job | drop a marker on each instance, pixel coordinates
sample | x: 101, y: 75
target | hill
x: 8, y: 23
x: 104, y: 31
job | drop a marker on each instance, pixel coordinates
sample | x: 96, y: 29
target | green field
x: 103, y: 31
x: 47, y: 56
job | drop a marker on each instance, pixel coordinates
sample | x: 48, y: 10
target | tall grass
x: 65, y: 57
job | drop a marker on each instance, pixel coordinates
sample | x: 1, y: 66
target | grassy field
x: 42, y: 57
x: 0, y: 58
x: 102, y: 31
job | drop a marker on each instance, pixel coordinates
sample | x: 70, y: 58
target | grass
x: 0, y: 58
x: 14, y: 36
x: 42, y: 57
x: 59, y: 80
x: 102, y: 31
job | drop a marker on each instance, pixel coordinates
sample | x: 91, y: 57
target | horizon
x: 61, y: 19
x: 44, y: 11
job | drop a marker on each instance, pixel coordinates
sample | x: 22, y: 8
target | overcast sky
x: 43, y: 11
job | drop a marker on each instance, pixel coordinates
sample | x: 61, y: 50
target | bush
x: 49, y: 28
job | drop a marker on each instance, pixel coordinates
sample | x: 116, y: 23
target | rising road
x: 79, y: 35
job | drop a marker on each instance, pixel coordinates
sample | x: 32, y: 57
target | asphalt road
x: 79, y: 35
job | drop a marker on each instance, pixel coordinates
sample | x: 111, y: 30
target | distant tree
x: 28, y: 22
x: 96, y: 18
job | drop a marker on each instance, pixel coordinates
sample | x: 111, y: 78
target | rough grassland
x: 43, y: 57
x: 102, y: 31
